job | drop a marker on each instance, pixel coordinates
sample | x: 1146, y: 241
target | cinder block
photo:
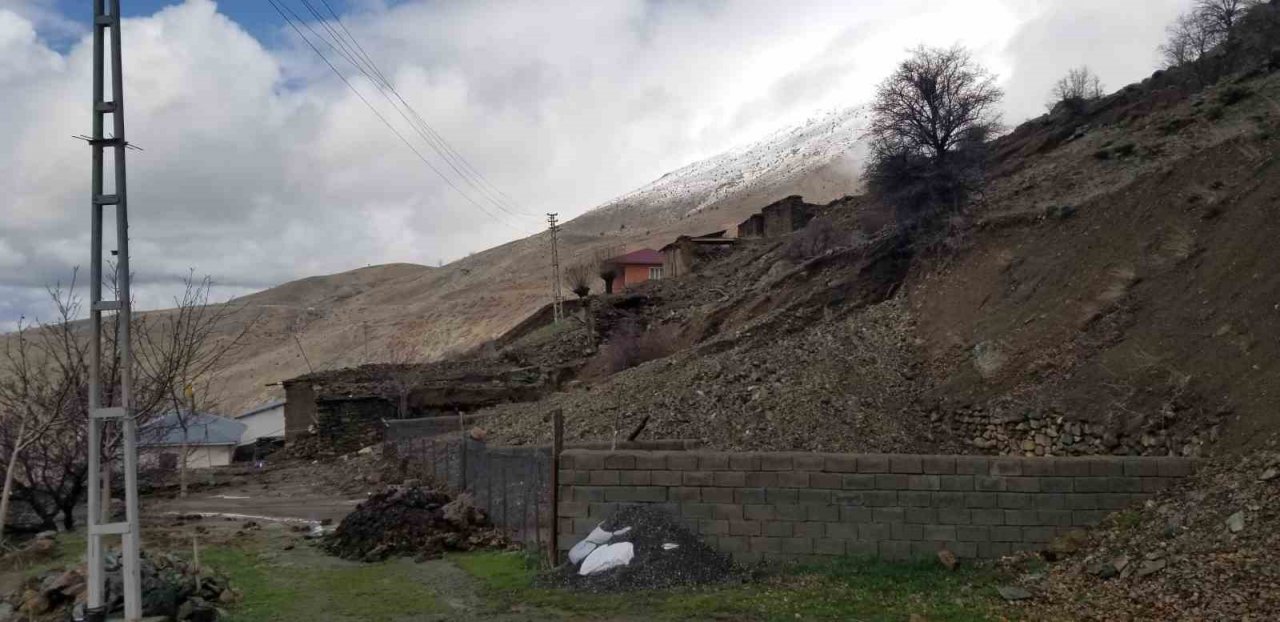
x: 623, y: 493
x: 889, y: 515
x: 747, y: 557
x: 812, y: 495
x: 791, y: 512
x: 1101, y: 466
x: 987, y: 516
x: 727, y: 511
x: 713, y: 527
x: 958, y: 483
x: 939, y: 465
x: 759, y: 512
x: 1175, y: 467
x: 849, y: 514
x: 1051, y: 501
x: 873, y: 463
x: 1156, y: 484
x: 797, y: 545
x: 881, y: 498
x: 840, y: 464
x: 698, y: 478
x: 921, y: 515
x: 793, y: 479
x: 600, y: 511
x: 980, y: 499
x: 954, y: 516
x: 717, y: 461
x: 1123, y: 484
x: 730, y: 479
x: 1082, y: 501
x: 695, y: 510
x: 858, y: 482
x: 780, y: 496
x: 915, y: 498
x: 1072, y: 467
x: 619, y: 460
x: 761, y: 479
x: 844, y: 531
x: 744, y: 528
x: 572, y: 509
x: 1002, y: 533
x: 808, y: 462
x: 1087, y: 518
x: 685, y: 495
x: 1089, y: 484
x: 964, y: 550
x: 1006, y: 466
x: 567, y: 460
x: 583, y: 526
x: 973, y: 533
x: 862, y: 548
x: 1139, y: 467
x: 973, y: 465
x: 1014, y: 500
x: 821, y: 512
x: 948, y: 499
x: 1022, y: 484
x: 810, y: 530
x: 666, y: 478
x: 992, y: 550
x: 588, y: 493
x: 1061, y: 518
x: 744, y: 462
x: 905, y: 464
x: 829, y: 481
x: 651, y: 461
x: 906, y: 531
x: 1057, y: 484
x: 635, y: 478
x: 924, y: 482
x: 717, y: 495
x: 585, y: 461
x: 749, y: 496
x: 828, y: 546
x: 895, y: 550
x: 732, y: 544
x: 778, y: 529
x: 775, y: 462
x: 605, y: 478
x: 1039, y: 535
x: 874, y: 531
x: 1116, y: 501
x: 682, y: 461
x: 990, y: 483
x: 1021, y: 517
x: 892, y: 481
x: 765, y: 545
x: 1039, y: 466
x: 940, y: 533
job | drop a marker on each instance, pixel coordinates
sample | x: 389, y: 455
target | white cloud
x: 260, y: 166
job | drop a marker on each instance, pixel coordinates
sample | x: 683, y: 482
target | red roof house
x: 634, y: 268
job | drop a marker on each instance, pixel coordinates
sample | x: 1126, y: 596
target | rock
x: 1151, y: 566
x: 1269, y: 474
x: 948, y: 559
x: 1102, y: 569
x: 1235, y: 522
x: 988, y: 359
x: 1013, y: 593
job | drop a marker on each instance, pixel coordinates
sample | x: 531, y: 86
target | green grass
x: 328, y: 590
x: 846, y: 589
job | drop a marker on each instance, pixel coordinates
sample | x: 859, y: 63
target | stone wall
x: 779, y: 506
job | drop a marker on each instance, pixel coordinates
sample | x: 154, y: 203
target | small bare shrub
x: 629, y: 346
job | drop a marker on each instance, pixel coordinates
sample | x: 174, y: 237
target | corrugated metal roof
x: 264, y: 407
x: 201, y: 429
x: 642, y: 256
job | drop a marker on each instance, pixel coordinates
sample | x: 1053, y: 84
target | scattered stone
x: 1235, y: 522
x: 1102, y: 569
x: 1151, y: 566
x: 412, y: 522
x: 1269, y: 474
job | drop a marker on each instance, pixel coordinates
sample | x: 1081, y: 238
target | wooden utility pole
x: 99, y: 526
x: 557, y: 300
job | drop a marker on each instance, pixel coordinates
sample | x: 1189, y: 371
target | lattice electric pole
x: 557, y: 301
x: 99, y: 522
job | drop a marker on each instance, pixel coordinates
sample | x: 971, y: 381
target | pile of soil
x: 409, y: 520
x: 690, y: 562
x: 171, y: 587
x: 1203, y: 551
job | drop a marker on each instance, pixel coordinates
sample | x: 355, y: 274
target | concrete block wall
x: 788, y: 506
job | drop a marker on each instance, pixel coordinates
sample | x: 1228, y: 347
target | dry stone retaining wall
x: 784, y: 506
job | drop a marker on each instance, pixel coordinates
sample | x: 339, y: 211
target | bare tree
x: 400, y: 374
x: 933, y: 102
x: 1078, y: 86
x: 605, y: 269
x: 1210, y: 25
x: 578, y: 277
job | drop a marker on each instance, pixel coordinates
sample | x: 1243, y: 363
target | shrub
x: 1233, y: 95
x: 629, y: 345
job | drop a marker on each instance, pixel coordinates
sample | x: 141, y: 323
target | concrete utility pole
x: 557, y: 305
x: 99, y: 525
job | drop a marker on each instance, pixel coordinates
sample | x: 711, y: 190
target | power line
x: 362, y: 61
x: 383, y: 119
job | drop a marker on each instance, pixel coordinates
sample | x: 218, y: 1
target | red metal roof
x: 644, y: 256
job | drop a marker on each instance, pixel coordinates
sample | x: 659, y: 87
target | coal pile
x: 655, y: 563
x: 412, y: 521
x: 172, y: 588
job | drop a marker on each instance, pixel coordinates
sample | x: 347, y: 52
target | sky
x: 260, y: 166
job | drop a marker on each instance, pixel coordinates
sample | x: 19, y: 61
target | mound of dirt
x: 656, y: 564
x: 412, y: 521
x: 1203, y: 551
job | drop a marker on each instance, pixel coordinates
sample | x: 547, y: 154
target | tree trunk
x: 182, y: 467
x: 8, y: 490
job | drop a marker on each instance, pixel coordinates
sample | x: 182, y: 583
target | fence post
x: 557, y: 445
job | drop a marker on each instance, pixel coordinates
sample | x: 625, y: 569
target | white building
x: 209, y: 441
x: 264, y: 422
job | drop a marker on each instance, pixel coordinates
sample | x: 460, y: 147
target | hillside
x: 347, y: 319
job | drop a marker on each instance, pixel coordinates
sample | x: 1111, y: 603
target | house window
x: 655, y: 272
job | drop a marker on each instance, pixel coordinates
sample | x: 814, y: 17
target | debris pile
x: 1202, y: 551
x: 410, y: 520
x: 172, y: 588
x: 640, y: 547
